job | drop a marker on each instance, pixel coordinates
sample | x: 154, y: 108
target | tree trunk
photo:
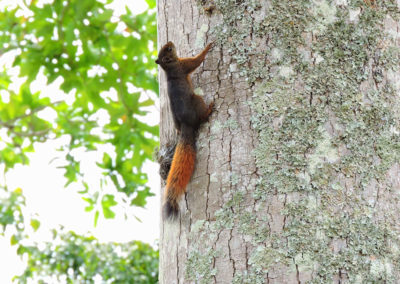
x: 297, y: 177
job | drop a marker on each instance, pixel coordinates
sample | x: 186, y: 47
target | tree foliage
x: 72, y: 258
x: 82, y: 259
x: 106, y: 68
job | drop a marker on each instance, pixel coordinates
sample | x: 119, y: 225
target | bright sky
x: 43, y: 182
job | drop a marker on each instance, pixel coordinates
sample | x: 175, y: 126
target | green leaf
x: 35, y: 224
x: 140, y: 199
x: 151, y: 3
x: 91, y: 202
x: 96, y: 217
x: 107, y: 202
x: 14, y: 240
x: 107, y: 162
x: 148, y: 102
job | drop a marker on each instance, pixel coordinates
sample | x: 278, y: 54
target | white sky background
x: 53, y: 205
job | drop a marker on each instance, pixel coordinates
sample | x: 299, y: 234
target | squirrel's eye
x: 169, y: 49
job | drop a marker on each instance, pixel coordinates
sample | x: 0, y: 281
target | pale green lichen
x: 198, y: 266
x: 218, y: 125
x: 253, y: 228
x: 305, y: 262
x: 231, y: 124
x: 235, y: 179
x: 324, y: 152
x: 324, y: 14
x: 201, y: 36
x: 379, y: 268
x: 286, y: 71
x: 276, y: 55
x: 198, y: 91
x: 214, y: 177
x: 320, y: 52
x: 196, y: 227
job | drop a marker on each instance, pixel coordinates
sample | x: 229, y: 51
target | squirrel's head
x: 167, y: 55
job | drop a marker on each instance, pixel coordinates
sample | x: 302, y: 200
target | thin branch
x: 10, y: 123
x: 29, y: 134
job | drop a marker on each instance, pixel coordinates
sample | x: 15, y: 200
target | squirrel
x: 189, y: 111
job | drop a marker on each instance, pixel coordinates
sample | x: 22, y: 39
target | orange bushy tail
x: 179, y: 176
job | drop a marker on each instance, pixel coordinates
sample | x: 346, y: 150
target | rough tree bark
x: 297, y: 177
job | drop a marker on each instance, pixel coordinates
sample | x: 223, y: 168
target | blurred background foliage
x: 81, y: 259
x: 105, y: 66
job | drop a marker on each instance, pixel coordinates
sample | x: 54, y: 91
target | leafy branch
x: 87, y: 39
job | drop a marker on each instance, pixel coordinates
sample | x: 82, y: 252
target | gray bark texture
x: 297, y: 178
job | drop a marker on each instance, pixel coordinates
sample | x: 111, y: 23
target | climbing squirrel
x: 189, y: 111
